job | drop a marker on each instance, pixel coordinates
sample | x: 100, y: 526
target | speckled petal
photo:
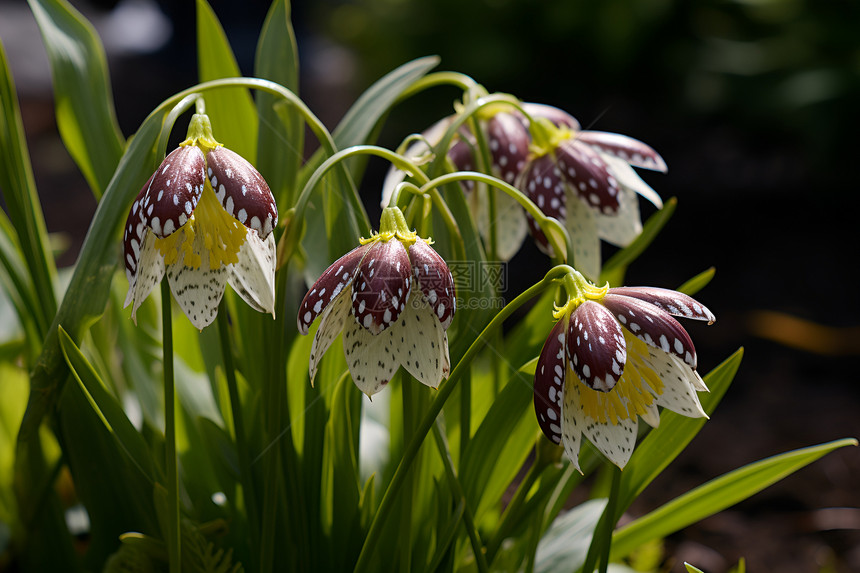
x: 595, y: 346
x: 630, y: 150
x: 628, y: 179
x: 150, y: 273
x: 542, y: 183
x: 581, y: 225
x: 622, y: 227
x: 418, y: 337
x: 679, y: 381
x: 414, y: 151
x: 673, y: 302
x: 381, y: 286
x: 549, y: 383
x: 461, y: 156
x: 175, y: 190
x: 330, y: 284
x: 615, y: 441
x: 435, y: 281
x: 557, y: 116
x: 509, y: 145
x: 242, y: 191
x: 132, y: 239
x: 652, y: 325
x: 372, y: 359
x: 587, y: 174
x: 198, y: 290
x: 331, y: 324
x: 253, y: 276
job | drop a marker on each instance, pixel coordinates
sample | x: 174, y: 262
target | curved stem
x: 455, y: 79
x: 174, y: 544
x: 429, y: 418
x: 550, y: 226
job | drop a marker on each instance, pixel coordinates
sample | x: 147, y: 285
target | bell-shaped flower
x: 617, y: 356
x: 393, y: 298
x: 586, y: 180
x: 205, y: 218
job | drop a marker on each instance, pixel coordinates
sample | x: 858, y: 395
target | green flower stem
x: 246, y: 477
x: 460, y: 496
x: 550, y: 226
x: 410, y: 411
x: 456, y: 79
x: 174, y: 545
x: 435, y: 408
x: 601, y: 542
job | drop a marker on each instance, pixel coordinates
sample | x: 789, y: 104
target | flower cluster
x: 368, y: 294
x: 617, y: 354
x: 205, y: 218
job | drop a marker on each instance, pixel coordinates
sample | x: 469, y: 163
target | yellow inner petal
x: 633, y: 393
x: 210, y: 229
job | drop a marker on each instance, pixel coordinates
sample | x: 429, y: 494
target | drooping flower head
x: 585, y: 179
x: 205, y: 217
x: 614, y: 355
x: 393, y: 298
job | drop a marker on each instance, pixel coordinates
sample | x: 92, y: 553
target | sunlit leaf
x: 82, y: 91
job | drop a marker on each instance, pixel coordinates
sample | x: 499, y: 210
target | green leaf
x: 85, y: 112
x: 281, y: 136
x: 614, y: 269
x: 89, y: 287
x: 499, y: 447
x: 25, y: 212
x: 675, y: 432
x: 698, y: 282
x: 231, y: 110
x: 107, y: 407
x: 565, y: 544
x: 716, y: 495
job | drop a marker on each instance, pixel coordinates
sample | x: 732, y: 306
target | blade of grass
x: 84, y: 101
x: 716, y: 495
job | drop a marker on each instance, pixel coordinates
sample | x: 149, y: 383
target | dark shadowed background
x: 752, y: 103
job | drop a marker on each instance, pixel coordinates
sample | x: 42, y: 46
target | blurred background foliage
x: 753, y: 104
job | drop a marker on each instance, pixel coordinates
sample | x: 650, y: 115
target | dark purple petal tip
x: 595, y: 346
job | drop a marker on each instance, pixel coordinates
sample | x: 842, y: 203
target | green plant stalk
x: 174, y: 545
x: 404, y: 545
x: 455, y: 79
x: 457, y: 490
x: 546, y: 224
x: 246, y: 477
x: 427, y: 421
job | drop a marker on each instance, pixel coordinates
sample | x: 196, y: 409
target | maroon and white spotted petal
x: 630, y: 150
x: 652, y: 325
x: 331, y: 324
x: 671, y: 301
x: 435, y: 281
x: 595, y: 346
x: 175, y: 189
x: 149, y: 274
x: 615, y: 441
x: 557, y: 116
x: 381, y: 286
x: 330, y: 284
x: 509, y: 145
x: 542, y: 183
x: 549, y: 383
x: 242, y: 191
x: 460, y: 155
x: 132, y: 238
x: 587, y: 174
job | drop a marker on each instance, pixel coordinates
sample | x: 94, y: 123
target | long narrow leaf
x: 716, y: 495
x: 25, y: 212
x: 107, y: 407
x: 664, y: 444
x: 234, y: 118
x: 84, y: 101
x: 89, y: 287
